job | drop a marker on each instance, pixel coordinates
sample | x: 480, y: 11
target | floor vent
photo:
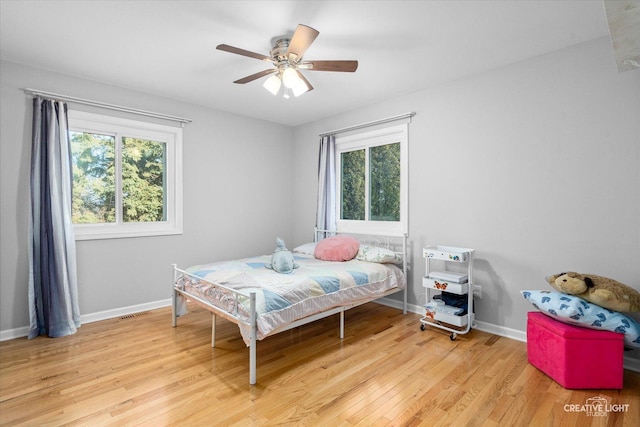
x: 134, y: 315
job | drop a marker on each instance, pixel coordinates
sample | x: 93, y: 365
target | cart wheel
x: 422, y: 327
x: 452, y: 337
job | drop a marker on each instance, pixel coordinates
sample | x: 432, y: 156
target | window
x: 126, y: 177
x: 372, y: 176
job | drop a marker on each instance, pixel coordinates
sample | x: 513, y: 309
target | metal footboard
x: 233, y: 315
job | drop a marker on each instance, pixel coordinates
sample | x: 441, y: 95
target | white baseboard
x: 93, y: 317
x: 10, y: 334
x: 481, y: 326
x: 514, y: 334
x: 630, y: 363
x: 123, y: 311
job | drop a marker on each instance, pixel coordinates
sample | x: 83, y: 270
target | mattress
x: 281, y: 299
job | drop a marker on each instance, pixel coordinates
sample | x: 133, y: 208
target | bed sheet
x: 281, y: 299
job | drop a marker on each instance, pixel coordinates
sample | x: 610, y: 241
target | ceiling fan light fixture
x: 290, y: 77
x: 272, y: 84
x: 300, y: 88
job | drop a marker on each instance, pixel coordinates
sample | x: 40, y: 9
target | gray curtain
x: 53, y: 293
x: 326, y: 213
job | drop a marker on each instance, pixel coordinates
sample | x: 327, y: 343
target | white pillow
x: 307, y: 248
x: 577, y: 311
x: 377, y: 254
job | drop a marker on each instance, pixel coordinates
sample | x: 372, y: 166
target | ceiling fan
x: 286, y: 57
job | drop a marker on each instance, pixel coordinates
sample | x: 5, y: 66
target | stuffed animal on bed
x: 598, y: 290
x: 282, y: 259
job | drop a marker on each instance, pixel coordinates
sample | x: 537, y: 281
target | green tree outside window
x: 143, y: 181
x: 383, y: 182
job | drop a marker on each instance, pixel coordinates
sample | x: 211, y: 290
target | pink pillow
x: 337, y: 248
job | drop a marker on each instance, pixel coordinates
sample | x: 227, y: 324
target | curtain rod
x: 373, y: 123
x: 60, y: 97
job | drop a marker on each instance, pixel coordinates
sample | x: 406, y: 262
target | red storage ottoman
x: 575, y: 357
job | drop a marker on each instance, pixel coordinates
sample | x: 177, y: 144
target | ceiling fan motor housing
x: 279, y: 51
x: 279, y: 55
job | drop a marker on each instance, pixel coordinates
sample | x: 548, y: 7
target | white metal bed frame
x: 230, y: 298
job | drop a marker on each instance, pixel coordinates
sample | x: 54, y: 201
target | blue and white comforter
x: 281, y: 299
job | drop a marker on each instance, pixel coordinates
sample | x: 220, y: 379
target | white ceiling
x: 167, y: 48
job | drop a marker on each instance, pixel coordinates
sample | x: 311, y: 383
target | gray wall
x: 535, y: 165
x: 225, y: 156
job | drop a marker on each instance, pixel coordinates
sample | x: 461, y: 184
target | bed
x: 263, y: 302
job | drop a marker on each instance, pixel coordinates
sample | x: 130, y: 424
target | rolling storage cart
x: 448, y: 292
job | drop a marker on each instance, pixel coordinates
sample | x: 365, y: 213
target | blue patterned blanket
x: 281, y: 299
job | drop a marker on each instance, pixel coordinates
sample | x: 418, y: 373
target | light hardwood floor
x: 138, y: 370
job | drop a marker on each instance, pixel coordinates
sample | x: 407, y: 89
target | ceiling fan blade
x: 306, y: 82
x: 255, y: 76
x: 343, y: 66
x: 300, y: 42
x: 238, y: 51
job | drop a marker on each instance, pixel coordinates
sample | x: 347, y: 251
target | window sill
x: 124, y: 234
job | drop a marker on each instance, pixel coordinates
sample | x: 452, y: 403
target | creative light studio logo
x: 596, y: 407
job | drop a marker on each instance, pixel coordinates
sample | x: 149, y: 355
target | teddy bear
x: 602, y: 291
x: 282, y: 259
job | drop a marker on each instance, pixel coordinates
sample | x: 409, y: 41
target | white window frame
x: 364, y: 140
x: 80, y: 121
